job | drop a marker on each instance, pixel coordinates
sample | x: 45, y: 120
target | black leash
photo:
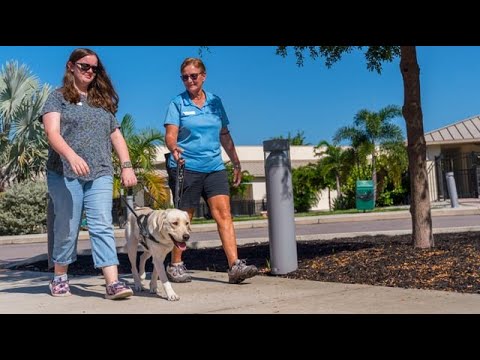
x: 179, y: 184
x: 150, y: 195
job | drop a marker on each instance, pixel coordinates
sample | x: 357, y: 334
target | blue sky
x: 266, y: 95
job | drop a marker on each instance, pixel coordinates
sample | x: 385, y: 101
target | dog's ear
x: 157, y: 219
x: 187, y: 217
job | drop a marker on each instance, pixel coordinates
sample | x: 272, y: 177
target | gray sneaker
x: 178, y: 273
x: 240, y: 271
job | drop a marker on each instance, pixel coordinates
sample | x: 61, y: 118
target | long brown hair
x: 100, y: 91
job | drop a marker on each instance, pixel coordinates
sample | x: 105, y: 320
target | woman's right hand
x: 78, y: 165
x: 177, y: 155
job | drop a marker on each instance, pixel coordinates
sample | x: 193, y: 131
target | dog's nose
x: 186, y: 237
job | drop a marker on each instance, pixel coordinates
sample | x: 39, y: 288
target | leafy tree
x: 307, y: 181
x: 142, y: 148
x: 412, y: 112
x: 394, y: 162
x: 372, y: 129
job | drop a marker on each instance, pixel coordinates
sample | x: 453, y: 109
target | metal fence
x: 465, y: 168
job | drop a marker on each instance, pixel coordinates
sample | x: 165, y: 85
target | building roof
x: 464, y: 131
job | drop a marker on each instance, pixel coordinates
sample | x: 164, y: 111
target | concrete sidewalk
x: 209, y: 293
x: 25, y: 292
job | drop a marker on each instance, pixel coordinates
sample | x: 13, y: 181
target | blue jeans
x: 70, y: 197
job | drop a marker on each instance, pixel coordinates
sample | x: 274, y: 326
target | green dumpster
x: 364, y: 195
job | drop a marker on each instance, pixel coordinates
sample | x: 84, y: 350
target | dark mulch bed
x: 453, y: 265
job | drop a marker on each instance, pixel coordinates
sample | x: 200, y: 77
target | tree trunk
x: 374, y: 175
x: 417, y: 150
x: 339, y: 189
x: 329, y: 200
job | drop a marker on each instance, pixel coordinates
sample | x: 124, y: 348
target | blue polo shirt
x: 199, y: 131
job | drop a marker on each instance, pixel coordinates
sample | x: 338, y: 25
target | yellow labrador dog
x: 164, y: 229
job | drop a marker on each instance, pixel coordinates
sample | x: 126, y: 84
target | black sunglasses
x: 193, y: 76
x: 86, y: 67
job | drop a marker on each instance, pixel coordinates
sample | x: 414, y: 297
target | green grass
x: 304, y: 214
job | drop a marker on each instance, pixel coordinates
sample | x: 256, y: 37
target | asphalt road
x: 351, y: 227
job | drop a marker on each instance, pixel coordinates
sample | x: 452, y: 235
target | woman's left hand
x: 237, y: 176
x: 128, y: 177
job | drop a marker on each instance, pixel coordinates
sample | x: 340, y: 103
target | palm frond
x: 17, y: 84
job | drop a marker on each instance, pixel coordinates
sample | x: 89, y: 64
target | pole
x: 452, y: 189
x: 280, y: 210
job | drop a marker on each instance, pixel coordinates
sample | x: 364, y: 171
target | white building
x: 454, y: 148
x: 252, y: 160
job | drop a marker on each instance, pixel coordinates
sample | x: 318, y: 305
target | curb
x: 208, y: 244
x: 204, y: 244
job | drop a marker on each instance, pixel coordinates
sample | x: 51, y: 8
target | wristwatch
x: 126, y: 164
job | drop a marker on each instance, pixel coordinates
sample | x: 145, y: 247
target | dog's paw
x: 139, y: 287
x: 153, y: 289
x: 173, y: 297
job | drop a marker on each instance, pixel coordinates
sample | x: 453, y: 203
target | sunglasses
x: 86, y: 67
x: 192, y: 76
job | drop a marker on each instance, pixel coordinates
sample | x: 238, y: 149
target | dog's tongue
x: 181, y: 245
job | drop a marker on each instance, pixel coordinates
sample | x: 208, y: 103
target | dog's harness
x: 142, y: 222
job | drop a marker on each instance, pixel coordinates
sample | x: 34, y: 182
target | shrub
x: 306, y: 183
x: 344, y: 203
x: 23, y: 209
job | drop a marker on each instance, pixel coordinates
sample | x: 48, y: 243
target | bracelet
x: 126, y: 165
x: 237, y: 166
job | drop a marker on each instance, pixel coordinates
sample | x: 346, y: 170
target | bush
x: 343, y: 203
x: 23, y: 209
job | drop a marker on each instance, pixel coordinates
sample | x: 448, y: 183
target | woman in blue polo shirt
x: 196, y: 129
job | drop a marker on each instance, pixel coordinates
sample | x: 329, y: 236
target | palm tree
x: 373, y: 129
x: 16, y: 84
x: 29, y: 147
x: 142, y: 148
x: 334, y: 164
x: 297, y: 140
x: 23, y: 146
